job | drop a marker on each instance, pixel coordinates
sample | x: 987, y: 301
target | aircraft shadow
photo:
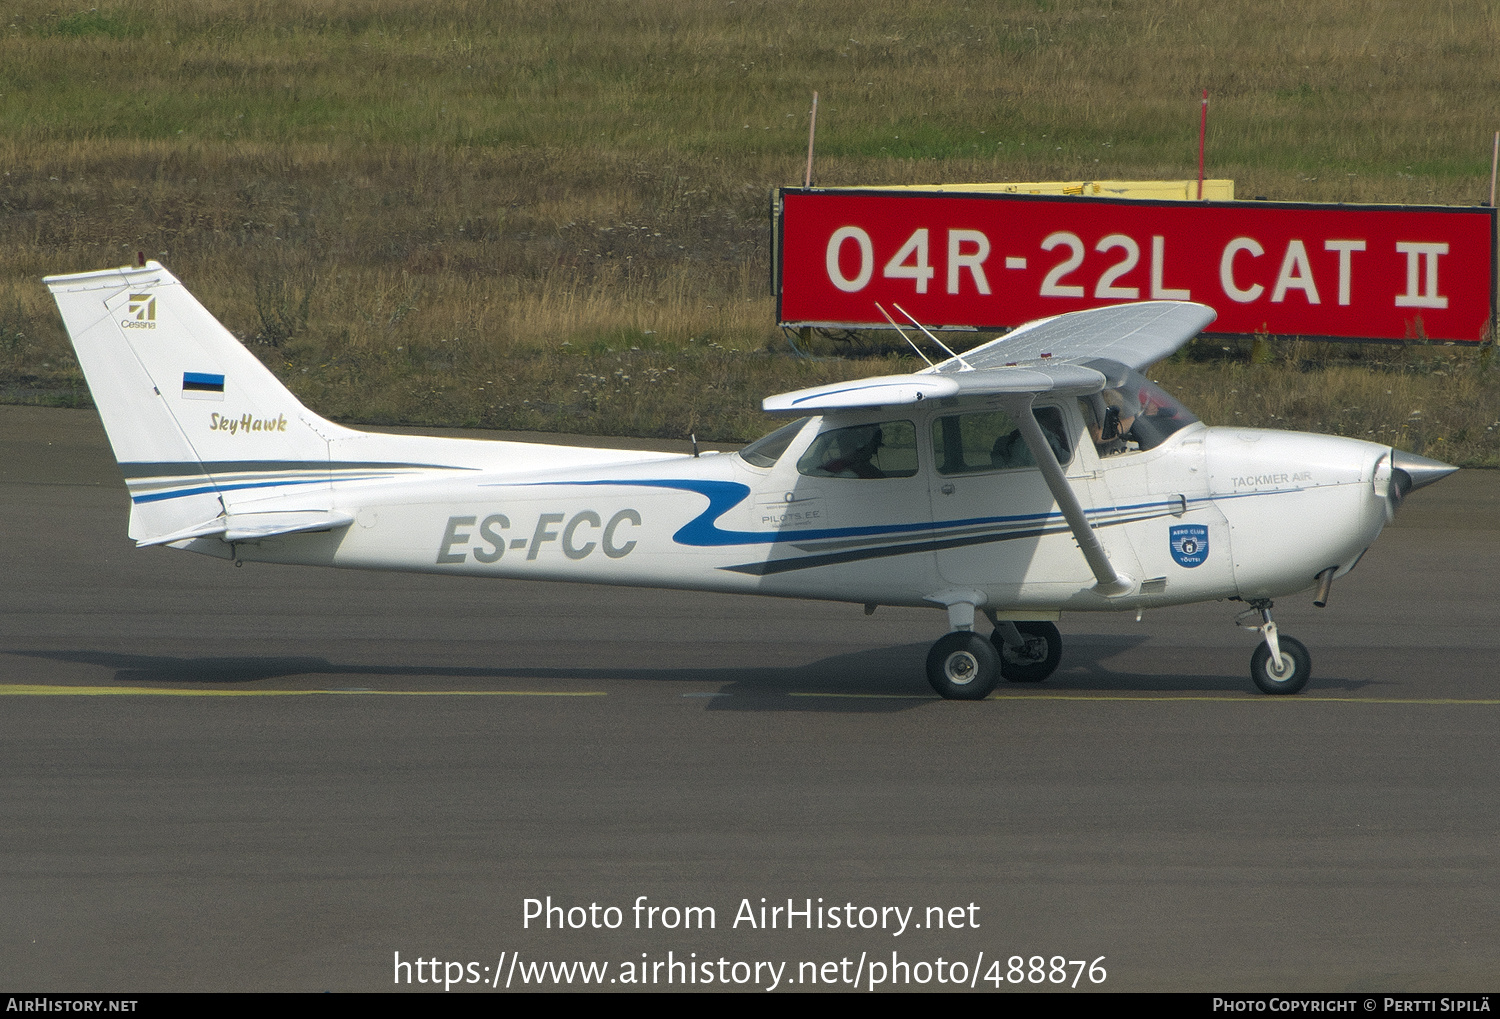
x: 893, y: 679
x: 882, y: 680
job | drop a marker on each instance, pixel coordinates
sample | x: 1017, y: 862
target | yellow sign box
x: 1177, y: 190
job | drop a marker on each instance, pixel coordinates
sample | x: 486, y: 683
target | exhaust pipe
x: 1325, y: 585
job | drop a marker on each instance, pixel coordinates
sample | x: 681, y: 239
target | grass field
x: 553, y: 215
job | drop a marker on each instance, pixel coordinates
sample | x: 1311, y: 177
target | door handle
x: 947, y: 489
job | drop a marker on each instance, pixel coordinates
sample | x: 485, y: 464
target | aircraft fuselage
x: 1210, y: 513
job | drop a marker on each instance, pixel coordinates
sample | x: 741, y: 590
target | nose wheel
x: 1296, y: 665
x: 1280, y: 665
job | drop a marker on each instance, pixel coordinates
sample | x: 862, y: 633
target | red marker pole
x: 1202, y: 131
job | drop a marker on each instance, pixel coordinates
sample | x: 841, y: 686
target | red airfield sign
x: 995, y: 261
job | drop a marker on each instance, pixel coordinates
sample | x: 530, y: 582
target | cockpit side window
x: 990, y: 441
x: 765, y: 451
x: 884, y: 450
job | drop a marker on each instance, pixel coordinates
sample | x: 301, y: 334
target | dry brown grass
x: 486, y: 206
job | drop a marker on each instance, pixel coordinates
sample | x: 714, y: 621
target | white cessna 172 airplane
x: 1035, y: 474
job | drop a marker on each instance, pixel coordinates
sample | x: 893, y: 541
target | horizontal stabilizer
x: 254, y: 526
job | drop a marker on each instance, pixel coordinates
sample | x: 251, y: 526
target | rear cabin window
x: 990, y: 441
x: 884, y: 450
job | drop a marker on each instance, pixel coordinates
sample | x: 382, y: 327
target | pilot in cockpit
x: 855, y: 458
x: 1111, y: 414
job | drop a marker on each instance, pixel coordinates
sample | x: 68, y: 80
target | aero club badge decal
x: 1189, y: 544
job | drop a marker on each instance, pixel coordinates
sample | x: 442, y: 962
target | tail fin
x: 197, y: 423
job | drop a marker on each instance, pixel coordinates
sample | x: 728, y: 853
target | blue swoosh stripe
x: 724, y: 496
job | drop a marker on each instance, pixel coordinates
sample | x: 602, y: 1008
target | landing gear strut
x: 1280, y: 665
x: 964, y: 666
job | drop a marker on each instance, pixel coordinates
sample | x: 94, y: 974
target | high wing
x: 890, y: 390
x: 1135, y: 335
x: 1038, y: 357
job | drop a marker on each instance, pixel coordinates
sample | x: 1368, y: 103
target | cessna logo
x: 140, y: 312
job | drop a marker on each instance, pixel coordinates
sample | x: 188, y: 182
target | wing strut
x: 1111, y: 583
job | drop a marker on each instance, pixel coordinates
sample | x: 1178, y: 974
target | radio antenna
x: 967, y: 366
x: 904, y: 336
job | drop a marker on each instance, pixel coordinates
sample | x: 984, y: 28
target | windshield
x: 1161, y: 414
x: 1132, y: 412
x: 765, y: 451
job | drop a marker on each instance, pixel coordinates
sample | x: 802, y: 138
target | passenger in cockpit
x: 1010, y: 450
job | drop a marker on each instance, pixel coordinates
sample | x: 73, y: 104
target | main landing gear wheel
x: 1296, y: 667
x: 963, y: 666
x: 1034, y: 662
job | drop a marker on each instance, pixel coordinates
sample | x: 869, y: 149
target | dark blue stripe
x: 159, y: 496
x: 135, y: 469
x: 723, y: 496
x: 936, y: 544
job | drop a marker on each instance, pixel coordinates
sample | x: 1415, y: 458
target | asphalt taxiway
x: 276, y: 778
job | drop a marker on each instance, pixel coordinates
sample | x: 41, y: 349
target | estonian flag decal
x: 199, y: 386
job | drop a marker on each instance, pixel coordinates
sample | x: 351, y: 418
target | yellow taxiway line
x: 21, y: 690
